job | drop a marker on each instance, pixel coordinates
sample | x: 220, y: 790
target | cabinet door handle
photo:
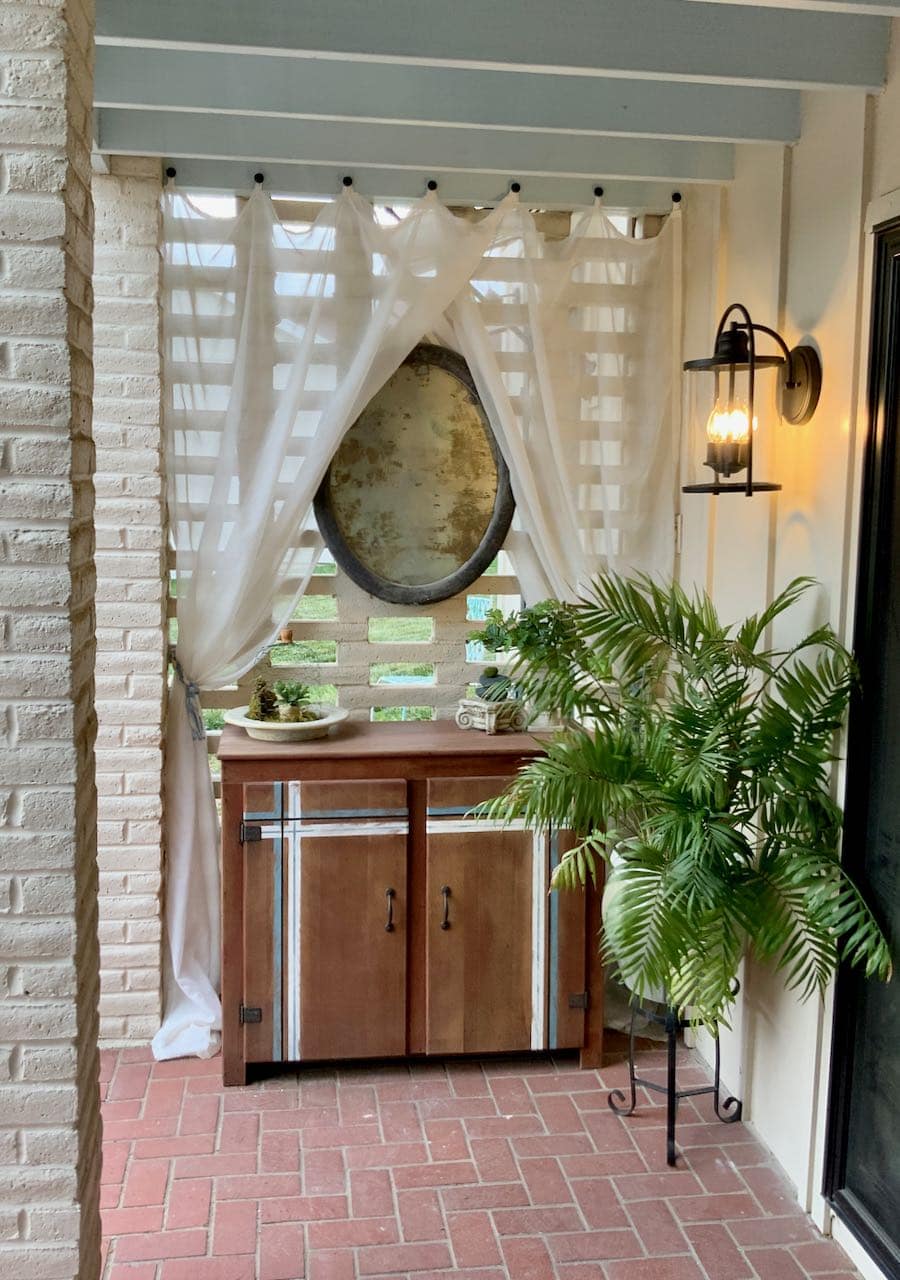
x: 445, y: 894
x: 390, y: 894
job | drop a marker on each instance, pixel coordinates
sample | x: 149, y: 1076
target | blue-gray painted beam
x: 271, y: 85
x: 670, y: 39
x: 885, y: 8
x: 421, y: 147
x: 324, y: 182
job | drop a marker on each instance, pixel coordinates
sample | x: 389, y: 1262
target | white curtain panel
x: 275, y: 340
x: 273, y: 344
x: 575, y: 348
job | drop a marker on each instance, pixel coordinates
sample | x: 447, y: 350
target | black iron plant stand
x: 728, y: 1111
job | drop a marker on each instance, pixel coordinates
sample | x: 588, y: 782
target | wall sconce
x: 732, y: 422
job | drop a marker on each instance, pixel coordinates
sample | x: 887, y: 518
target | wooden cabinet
x: 368, y: 914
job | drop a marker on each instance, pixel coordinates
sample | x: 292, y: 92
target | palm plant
x: 702, y: 772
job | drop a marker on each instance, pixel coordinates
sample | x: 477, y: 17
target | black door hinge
x: 250, y: 833
x: 250, y: 1014
x: 579, y: 1001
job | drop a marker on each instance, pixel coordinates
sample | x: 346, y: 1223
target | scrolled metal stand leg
x: 671, y: 1092
x: 732, y: 1105
x: 616, y: 1097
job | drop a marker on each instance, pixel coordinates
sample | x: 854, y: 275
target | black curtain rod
x: 432, y: 185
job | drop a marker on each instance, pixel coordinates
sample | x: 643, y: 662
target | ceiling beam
x: 878, y: 8
x: 270, y: 85
x: 668, y: 39
x: 324, y: 182
x: 508, y: 155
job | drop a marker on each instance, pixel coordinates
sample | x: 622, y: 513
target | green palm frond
x: 818, y: 694
x: 645, y: 930
x: 583, y: 780
x: 637, y: 624
x: 701, y: 987
x: 829, y: 918
x: 579, y: 864
x: 754, y: 628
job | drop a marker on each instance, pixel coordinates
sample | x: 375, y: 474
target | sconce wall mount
x: 799, y: 390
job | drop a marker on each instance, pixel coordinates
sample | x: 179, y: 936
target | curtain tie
x: 191, y: 698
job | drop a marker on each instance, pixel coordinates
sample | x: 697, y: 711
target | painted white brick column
x: 49, y: 1107
x: 131, y: 603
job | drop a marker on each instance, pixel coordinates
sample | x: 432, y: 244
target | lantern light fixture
x: 732, y: 422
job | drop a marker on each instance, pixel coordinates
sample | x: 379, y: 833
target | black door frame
x: 877, y: 500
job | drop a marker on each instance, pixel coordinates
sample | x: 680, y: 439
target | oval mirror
x: 417, y: 502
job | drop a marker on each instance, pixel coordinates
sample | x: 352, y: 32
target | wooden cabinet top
x: 411, y: 749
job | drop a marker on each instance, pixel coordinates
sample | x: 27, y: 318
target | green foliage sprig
x: 553, y: 666
x: 704, y: 765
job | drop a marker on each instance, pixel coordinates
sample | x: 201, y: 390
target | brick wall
x: 49, y: 1121
x: 131, y: 647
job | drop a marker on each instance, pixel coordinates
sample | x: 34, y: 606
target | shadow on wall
x: 823, y: 255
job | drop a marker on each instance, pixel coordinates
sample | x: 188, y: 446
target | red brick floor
x: 494, y: 1171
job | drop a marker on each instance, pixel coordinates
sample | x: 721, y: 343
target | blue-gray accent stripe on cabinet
x: 320, y: 814
x: 277, y: 810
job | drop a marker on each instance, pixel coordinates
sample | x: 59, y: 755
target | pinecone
x: 263, y: 703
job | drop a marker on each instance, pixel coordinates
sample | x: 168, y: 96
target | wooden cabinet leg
x: 233, y: 1074
x: 234, y: 1067
x: 591, y: 1055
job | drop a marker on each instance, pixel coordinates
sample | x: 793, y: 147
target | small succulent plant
x: 493, y: 686
x: 293, y: 698
x: 292, y: 692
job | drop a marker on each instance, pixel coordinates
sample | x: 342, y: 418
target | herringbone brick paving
x: 500, y: 1170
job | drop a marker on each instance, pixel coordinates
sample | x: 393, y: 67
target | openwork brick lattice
x: 355, y: 654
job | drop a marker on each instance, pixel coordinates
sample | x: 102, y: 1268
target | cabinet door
x: 263, y: 854
x: 345, y: 969
x: 485, y: 926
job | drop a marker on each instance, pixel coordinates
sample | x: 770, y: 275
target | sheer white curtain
x: 273, y: 343
x: 575, y: 347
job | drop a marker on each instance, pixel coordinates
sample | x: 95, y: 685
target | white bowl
x: 286, y: 730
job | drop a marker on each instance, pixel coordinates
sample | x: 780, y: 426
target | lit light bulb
x: 729, y: 426
x: 728, y: 438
